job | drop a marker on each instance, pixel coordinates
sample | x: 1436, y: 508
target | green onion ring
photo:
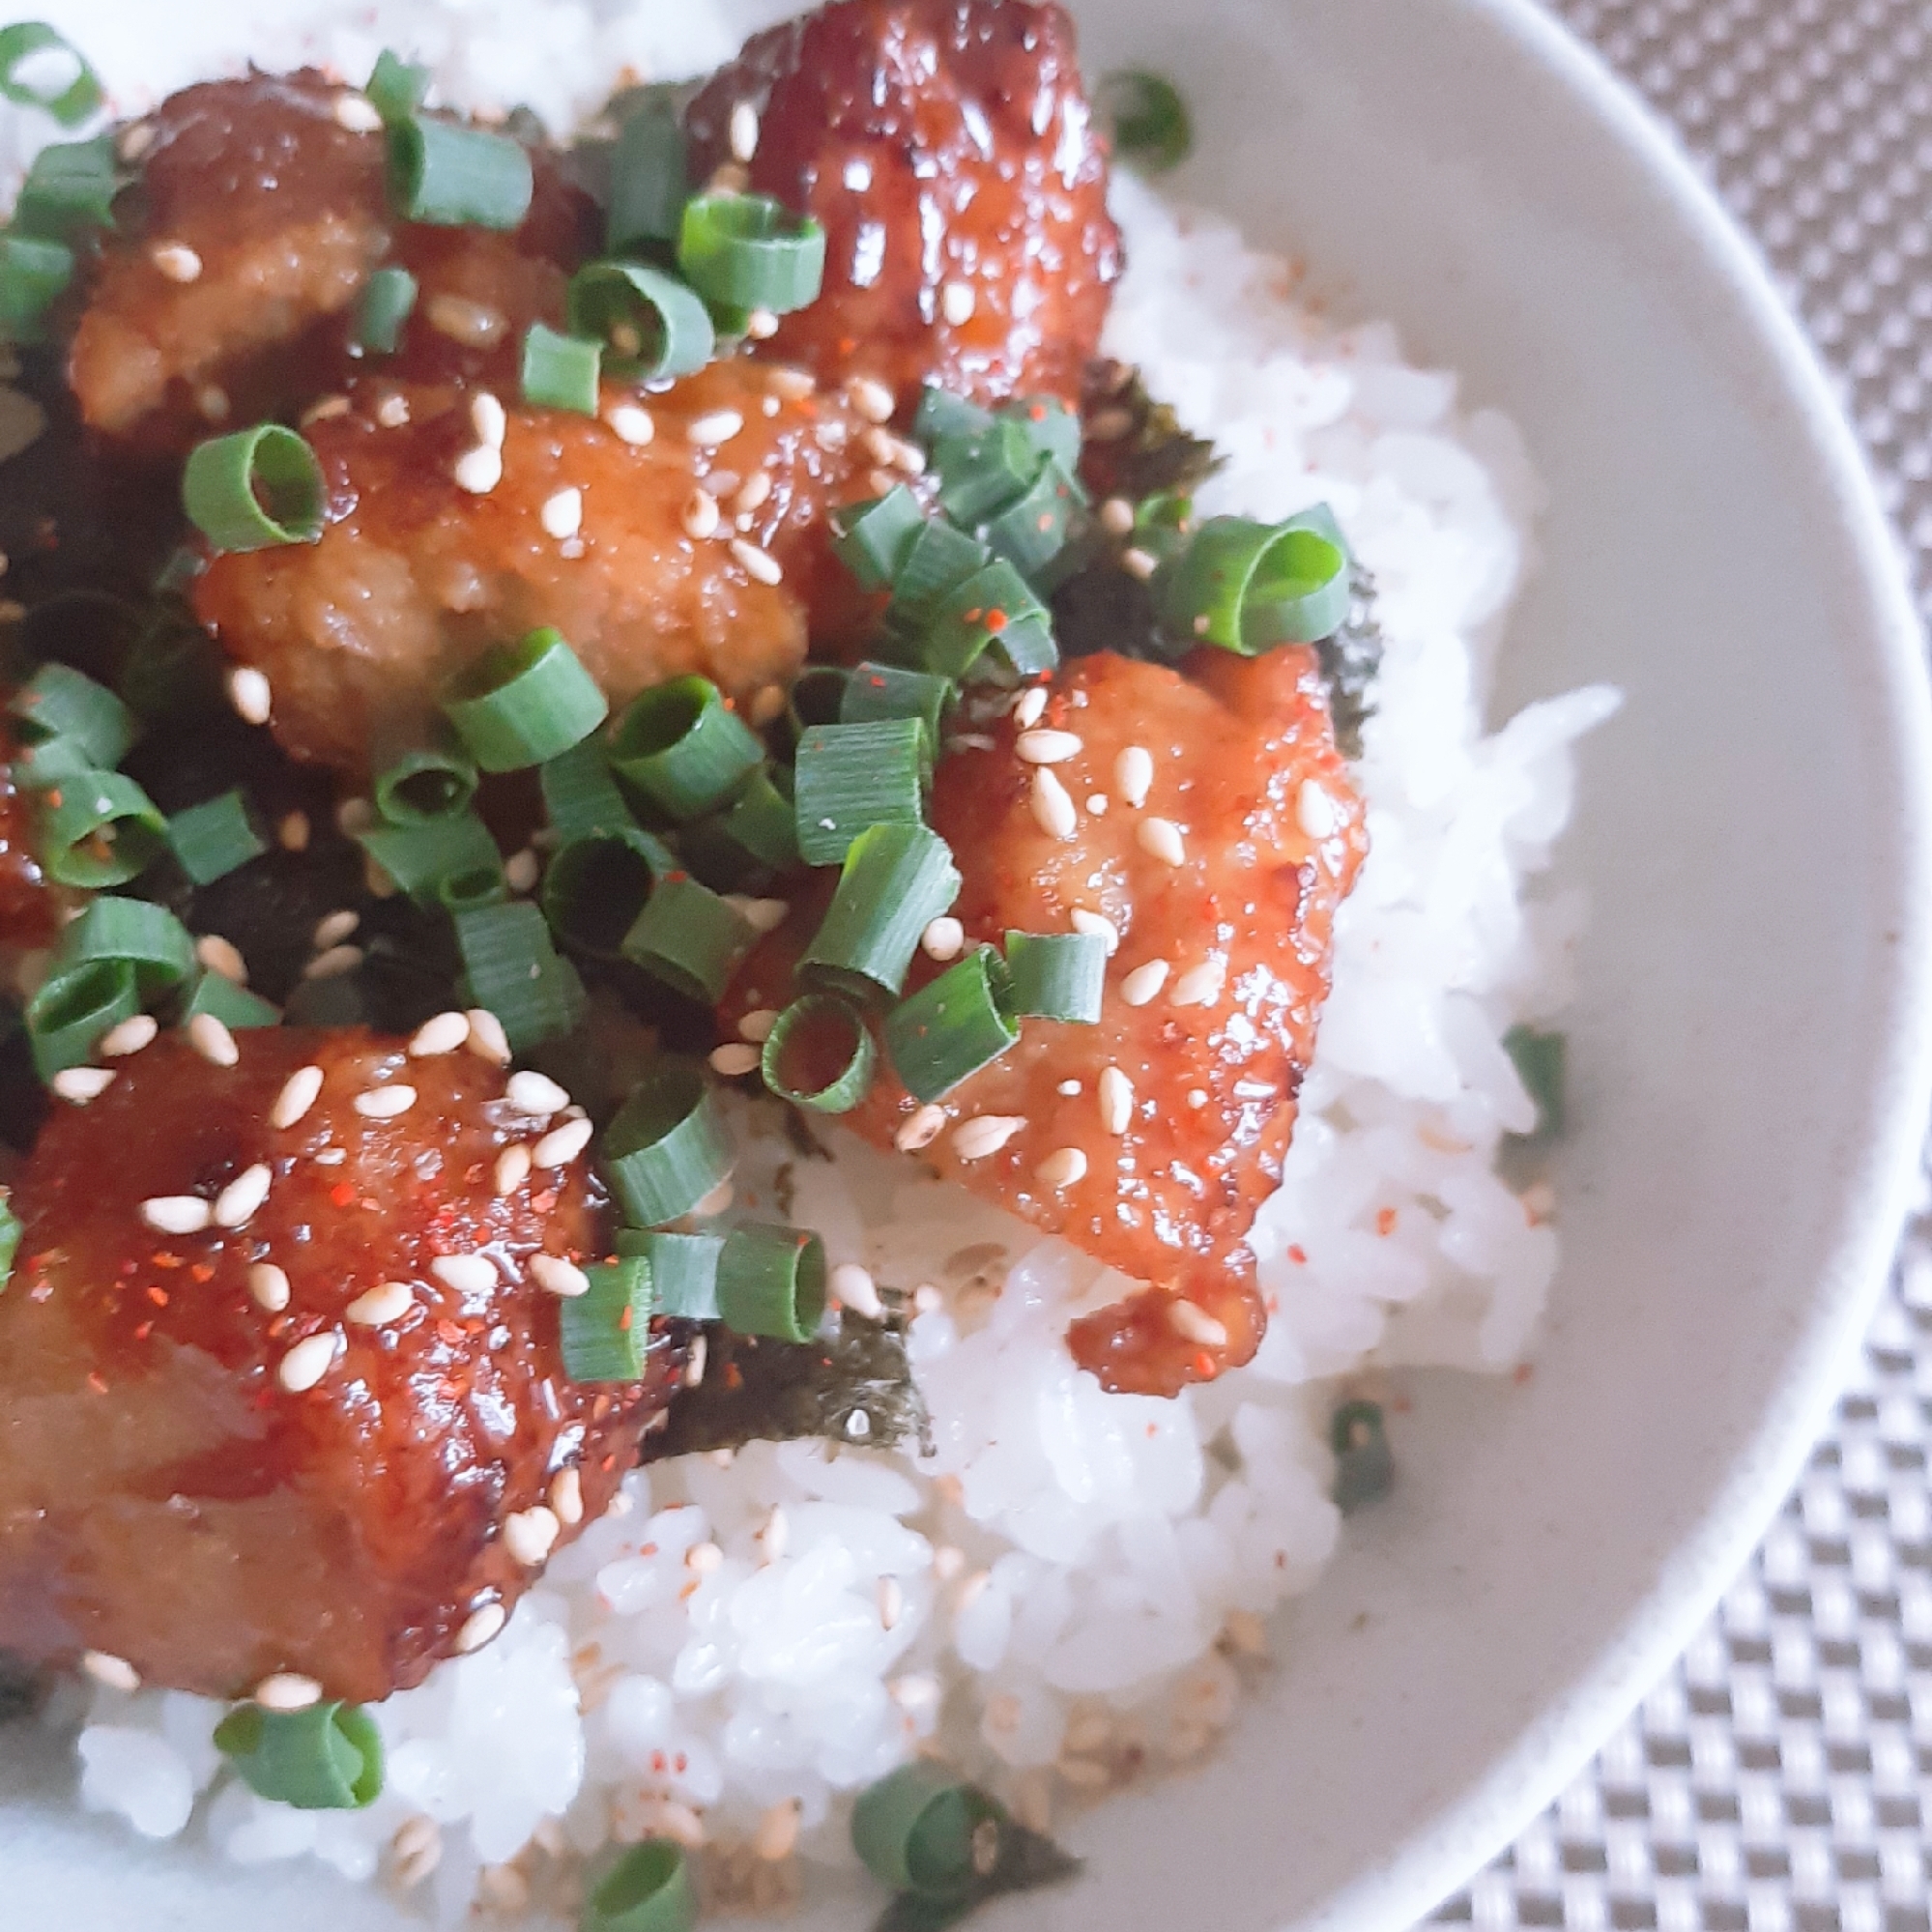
x: 59, y: 702
x: 396, y: 88
x: 560, y: 371
x: 448, y: 174
x: 1144, y: 116
x: 214, y: 838
x: 513, y: 969
x: 598, y: 882
x: 387, y: 303
x: 848, y: 777
x: 871, y: 538
x: 34, y: 276
x: 749, y: 251
x: 605, y: 1332
x: 952, y: 1027
x: 71, y: 1010
x: 652, y: 327
x: 70, y: 191
x: 690, y: 937
x: 668, y: 1145
x: 1058, y: 976
x: 914, y: 1829
x: 820, y: 1053
x: 99, y: 829
x: 147, y: 937
x: 683, y: 1270
x: 231, y: 1004
x: 326, y: 1758
x: 69, y: 104
x: 255, y: 489
x: 895, y: 881
x: 649, y: 179
x: 523, y: 703
x: 771, y: 1281
x: 684, y: 746
x: 648, y: 1890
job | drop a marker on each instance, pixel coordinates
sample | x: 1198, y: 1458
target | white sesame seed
x: 755, y: 493
x: 631, y: 425
x: 743, y: 130
x: 536, y: 1094
x: 757, y: 563
x: 487, y: 1038
x: 1052, y: 809
x: 1116, y: 516
x: 756, y: 1024
x: 512, y: 1169
x: 212, y: 400
x: 355, y: 114
x: 1316, y: 811
x: 115, y: 1672
x: 1134, y: 774
x: 1161, y: 839
x: 762, y: 325
x: 561, y: 1144
x: 1062, y: 1168
x: 734, y: 1060
x: 297, y: 1097
x: 793, y: 385
x: 1197, y: 1097
x: 308, y: 1362
x: 1193, y: 1323
x: 854, y: 1288
x: 957, y: 301
x: 384, y: 1103
x: 269, y: 1285
x: 480, y: 469
x: 1109, y: 426
x: 563, y: 514
x: 443, y: 1034
x: 704, y: 1558
x: 556, y: 1276
x: 714, y: 427
x: 1045, y: 747
x: 137, y: 141
x: 286, y: 1691
x: 329, y: 410
x: 213, y: 1041
x: 80, y: 1085
x: 566, y: 1497
x: 128, y: 1037
x: 177, y: 261
x: 1068, y: 1088
x: 921, y: 1130
x: 521, y: 870
x: 695, y: 1360
x: 381, y: 1305
x: 392, y: 412
x: 1099, y: 925
x: 871, y: 400
x: 1140, y: 563
x: 353, y: 815
x: 701, y: 515
x: 1030, y: 707
x: 487, y: 417
x: 1096, y: 803
x: 333, y: 963
x: 944, y: 938
x: 763, y: 916
x: 223, y: 957
x: 1144, y: 982
x: 476, y: 325
x: 479, y: 1626
x: 1202, y: 985
x: 236, y: 1202
x: 1116, y: 1099
x: 985, y: 1134
x: 467, y: 1273
x: 250, y: 694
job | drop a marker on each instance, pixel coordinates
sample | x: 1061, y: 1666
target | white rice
x: 1068, y: 1577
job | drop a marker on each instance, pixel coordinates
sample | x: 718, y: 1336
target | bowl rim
x: 1879, y: 1191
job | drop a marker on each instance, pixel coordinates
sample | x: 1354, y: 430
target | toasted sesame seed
x: 1116, y: 516
x: 1052, y: 809
x: 871, y: 400
x: 355, y: 114
x: 392, y: 411
x: 793, y: 385
x: 353, y: 815
x: 223, y: 957
x: 1062, y: 1168
x: 1116, y: 1099
x: 1045, y: 747
x: 701, y: 515
x: 854, y: 1288
x: 213, y: 1041
x: 944, y: 937
x: 328, y: 410
x: 776, y: 1835
x: 881, y: 482
x: 985, y: 1134
x: 235, y: 1205
x: 920, y: 1129
x: 698, y: 1355
x: 1139, y: 562
x: 297, y: 1097
x: 743, y: 130
x: 333, y: 963
x: 1161, y: 839
x: 1202, y: 985
x: 631, y: 425
x: 250, y: 695
x: 269, y: 1285
x: 1068, y: 1088
x: 443, y: 1034
x: 714, y: 427
x: 384, y: 1103
x: 128, y: 1037
x: 562, y: 1144
x: 1030, y: 707
x: 212, y: 400
x: 177, y: 261
x: 1193, y: 1323
x: 1197, y: 1097
x: 763, y: 916
x: 756, y: 1024
x: 705, y: 1559
x: 566, y: 1497
x: 753, y: 494
x: 767, y: 703
x: 1097, y: 803
x: 136, y: 140
x: 1134, y: 773
x: 558, y: 1277
x: 381, y: 1305
x: 536, y: 1094
x: 286, y: 1691
x: 762, y: 325
x: 487, y: 1038
x: 1315, y: 810
x: 530, y: 1534
x: 563, y: 514
x: 115, y: 1672
x: 467, y: 1273
x: 956, y: 303
x: 480, y: 469
x: 1099, y: 925
x: 513, y: 1165
x: 80, y: 1085
x: 488, y: 419
x: 308, y: 1362
x: 476, y: 325
x: 479, y: 1626
x: 734, y: 1060
x: 1144, y: 982
x: 757, y: 563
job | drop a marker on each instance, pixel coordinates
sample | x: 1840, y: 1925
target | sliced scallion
x: 683, y: 1270
x: 648, y: 1890
x: 1364, y: 1465
x: 1031, y: 533
x: 255, y: 489
x: 993, y: 608
x: 147, y: 937
x: 421, y: 856
x: 942, y: 414
x: 847, y: 777
x: 39, y: 767
x: 326, y: 1758
x: 59, y: 702
x: 1050, y: 426
x: 750, y: 251
x: 816, y: 697
x: 71, y: 1010
x: 389, y: 300
x: 216, y: 838
x: 886, y: 691
x: 1247, y: 586
x: 650, y: 324
x: 895, y: 881
x: 560, y: 371
x: 605, y: 1332
x: 427, y: 781
x: 513, y: 969
x: 98, y: 829
x: 34, y: 276
x: 39, y: 68
x: 759, y: 820
x: 1146, y: 119
x: 682, y: 745
x: 70, y: 191
x: 580, y: 796
x: 598, y: 882
x: 1058, y: 976
x: 938, y: 559
x: 980, y: 474
x: 10, y: 1237
x: 690, y: 937
x: 871, y: 538
x: 771, y: 1281
x: 649, y: 178
x: 820, y: 1053
x: 523, y: 704
x: 668, y: 1145
x: 231, y: 1004
x: 1540, y: 1061
x: 397, y: 87
x: 448, y: 174
x: 914, y: 1829
x: 953, y: 1025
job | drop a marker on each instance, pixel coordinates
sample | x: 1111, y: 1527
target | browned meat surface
x: 164, y: 1497
x: 30, y: 904
x: 415, y: 574
x: 1159, y: 1178
x: 947, y: 146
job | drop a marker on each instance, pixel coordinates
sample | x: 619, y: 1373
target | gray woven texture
x: 1782, y: 1774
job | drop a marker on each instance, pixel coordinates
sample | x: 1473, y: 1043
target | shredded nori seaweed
x: 21, y: 1687
x: 1351, y: 662
x: 1150, y: 455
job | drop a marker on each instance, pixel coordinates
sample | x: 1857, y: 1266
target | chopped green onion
x: 99, y: 829
x: 1248, y: 586
x: 1145, y: 118
x: 820, y: 1053
x: 938, y: 559
x: 421, y: 857
x: 668, y: 1145
x: 759, y: 820
x: 605, y: 1332
x: 425, y: 782
x: 39, y: 767
x: 1031, y: 533
x: 214, y: 839
x: 598, y: 882
x: 982, y: 474
x: 649, y: 178
x: 895, y: 881
x: 326, y: 1758
x: 816, y: 697
x: 1364, y: 1467
x: 70, y: 191
x: 469, y: 888
x: 10, y: 1237
x: 683, y: 1270
x: 953, y: 1025
x: 34, y: 275
x: 513, y: 969
x: 750, y: 251
x: 648, y: 1890
x: 255, y: 489
x: 396, y: 88
x: 523, y: 704
x: 59, y: 702
x: 231, y: 1004
x: 690, y: 939
x: 681, y: 743
x: 942, y: 414
x: 578, y: 793
x: 886, y: 691
x: 847, y: 777
x: 915, y: 1829
x: 650, y: 325
x: 452, y: 175
x: 148, y: 937
x: 1058, y: 976
x: 1540, y: 1064
x: 560, y: 371
x: 994, y: 606
x: 387, y: 303
x: 173, y: 667
x: 871, y: 538
x: 1050, y: 426
x: 67, y: 89
x: 71, y: 1010
x: 771, y: 1281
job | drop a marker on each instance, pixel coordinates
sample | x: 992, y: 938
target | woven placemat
x: 1781, y: 1775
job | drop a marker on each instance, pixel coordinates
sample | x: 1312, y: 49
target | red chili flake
x: 1523, y: 1372
x: 474, y: 1326
x: 146, y: 1329
x: 53, y: 798
x: 660, y: 1762
x: 733, y: 1377
x: 1385, y: 1220
x: 161, y: 1258
x: 997, y: 621
x: 201, y: 1272
x: 342, y: 1194
x: 542, y: 1203
x: 1298, y: 1255
x: 158, y: 1296
x: 679, y: 1764
x: 95, y: 1383
x: 624, y: 1320
x: 609, y: 1463
x: 1204, y: 1365
x: 451, y: 1332
x: 1037, y: 410
x: 675, y: 878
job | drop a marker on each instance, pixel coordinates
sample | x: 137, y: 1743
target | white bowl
x: 1751, y: 1043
